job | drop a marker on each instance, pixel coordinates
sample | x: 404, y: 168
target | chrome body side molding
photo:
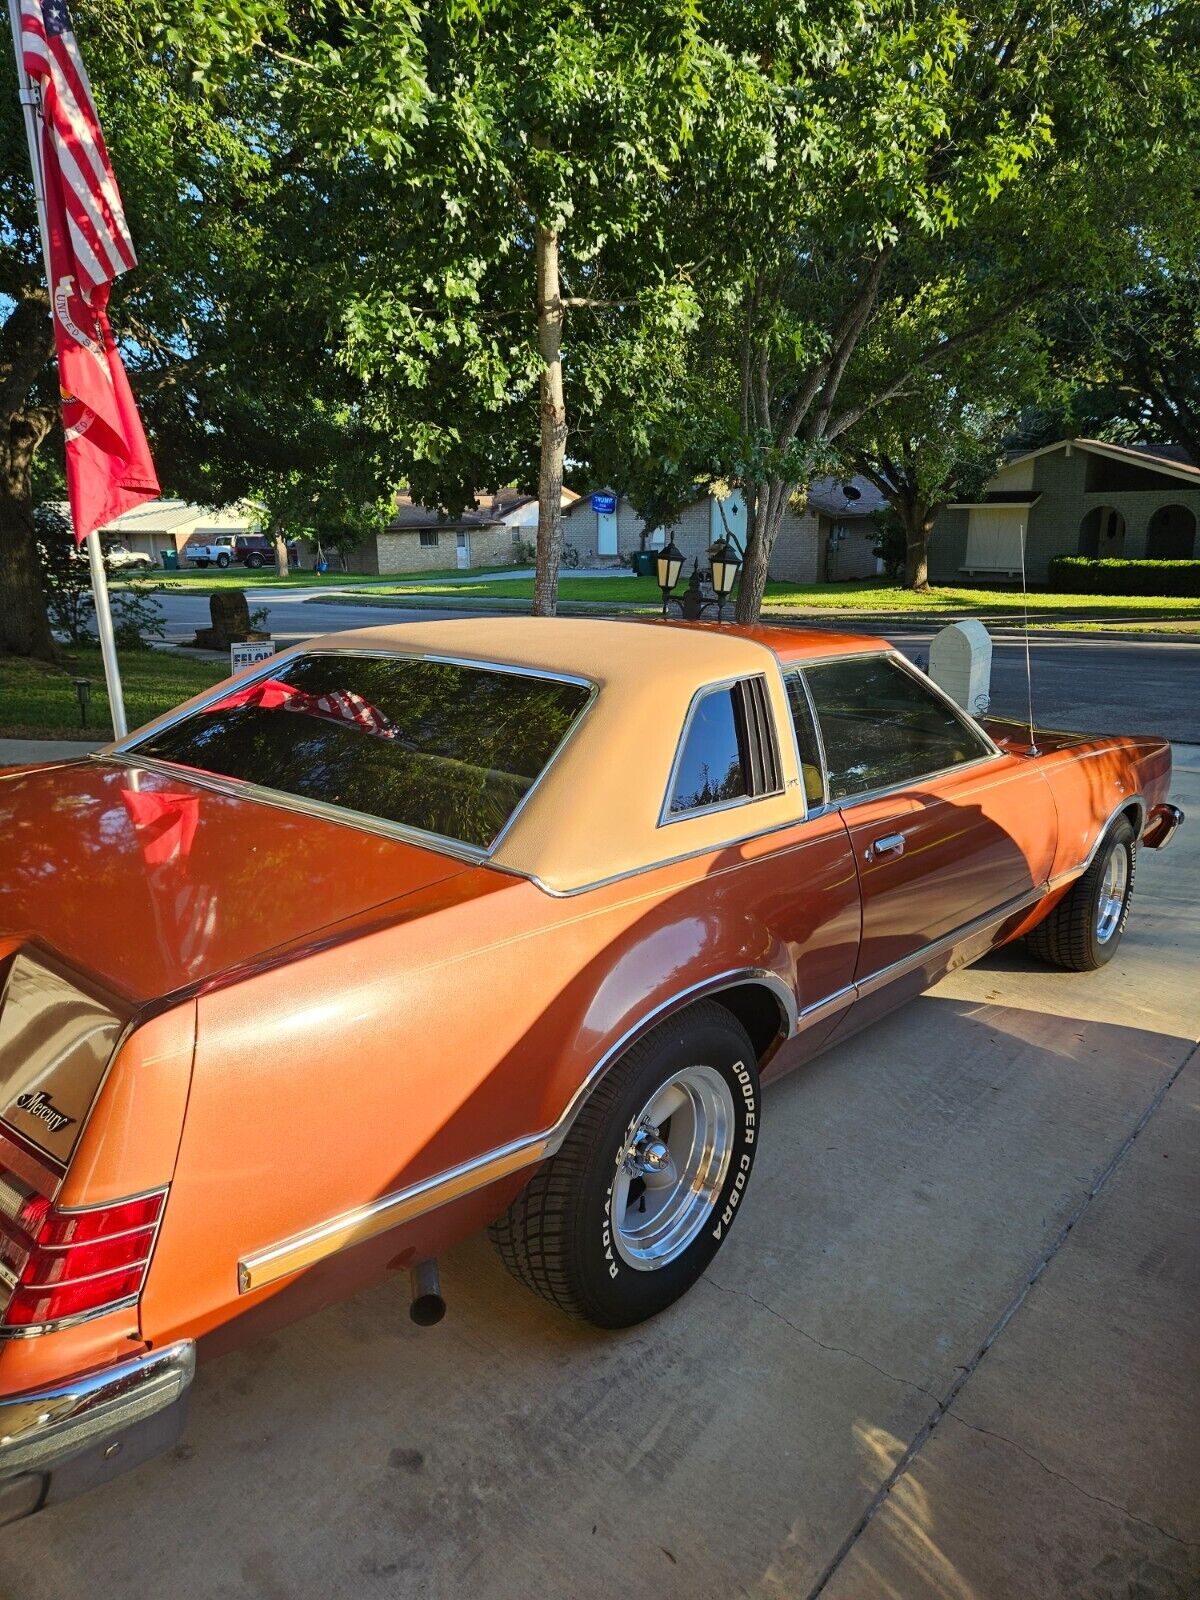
x: 260, y: 1268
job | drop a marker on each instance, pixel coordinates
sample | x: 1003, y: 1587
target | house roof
x: 1167, y: 458
x: 162, y: 516
x: 489, y: 511
x: 827, y: 495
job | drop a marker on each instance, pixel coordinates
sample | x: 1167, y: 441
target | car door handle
x: 892, y: 844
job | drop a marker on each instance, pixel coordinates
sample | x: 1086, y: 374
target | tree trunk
x: 24, y: 621
x: 765, y: 505
x: 917, y: 527
x: 553, y: 414
x: 281, y: 552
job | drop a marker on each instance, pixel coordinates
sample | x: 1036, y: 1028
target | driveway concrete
x: 948, y: 1351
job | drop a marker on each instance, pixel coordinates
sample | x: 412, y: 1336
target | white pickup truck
x: 216, y: 552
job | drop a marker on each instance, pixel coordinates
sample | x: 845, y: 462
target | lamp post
x: 669, y: 564
x: 725, y: 564
x: 83, y: 693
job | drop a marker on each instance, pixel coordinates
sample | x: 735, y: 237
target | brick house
x: 493, y: 533
x: 1076, y: 497
x: 832, y: 539
x: 159, y: 525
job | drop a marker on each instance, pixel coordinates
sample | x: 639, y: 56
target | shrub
x: 1089, y: 575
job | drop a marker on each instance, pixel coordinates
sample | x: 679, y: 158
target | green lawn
x: 871, y: 597
x: 207, y: 578
x: 38, y: 701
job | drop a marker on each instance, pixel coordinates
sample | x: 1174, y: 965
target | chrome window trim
x: 798, y: 673
x: 994, y: 752
x: 260, y: 1268
x: 671, y: 861
x: 667, y: 817
x: 227, y: 784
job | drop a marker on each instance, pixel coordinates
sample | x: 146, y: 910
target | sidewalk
x: 24, y: 752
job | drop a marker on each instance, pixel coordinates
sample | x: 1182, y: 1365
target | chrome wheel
x: 1111, y: 900
x: 672, y: 1168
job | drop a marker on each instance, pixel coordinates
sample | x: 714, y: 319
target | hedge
x: 1088, y: 575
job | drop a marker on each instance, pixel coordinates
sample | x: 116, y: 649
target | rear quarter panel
x: 467, y: 1024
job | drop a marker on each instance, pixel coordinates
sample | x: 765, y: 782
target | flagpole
x: 31, y: 106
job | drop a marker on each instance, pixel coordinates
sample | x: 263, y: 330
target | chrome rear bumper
x: 1161, y: 825
x: 57, y: 1442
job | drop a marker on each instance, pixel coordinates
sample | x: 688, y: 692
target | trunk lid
x: 151, y: 884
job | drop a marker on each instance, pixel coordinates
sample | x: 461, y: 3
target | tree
x: 945, y: 436
x: 245, y: 159
x: 537, y: 277
x: 872, y: 138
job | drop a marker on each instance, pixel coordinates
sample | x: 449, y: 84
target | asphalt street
x: 1081, y: 681
x: 947, y: 1352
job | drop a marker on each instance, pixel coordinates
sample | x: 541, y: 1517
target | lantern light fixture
x: 669, y: 564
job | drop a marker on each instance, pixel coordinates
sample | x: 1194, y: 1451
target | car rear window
x: 449, y: 749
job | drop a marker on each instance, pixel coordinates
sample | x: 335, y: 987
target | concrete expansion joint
x: 1088, y: 1494
x: 965, y: 1373
x: 834, y: 1349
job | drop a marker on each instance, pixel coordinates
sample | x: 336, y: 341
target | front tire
x: 222, y: 561
x: 629, y: 1212
x: 1083, y: 931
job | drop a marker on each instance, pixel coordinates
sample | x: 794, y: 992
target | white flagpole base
x: 108, y: 643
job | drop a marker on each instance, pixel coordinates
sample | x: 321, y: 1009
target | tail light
x: 67, y: 1264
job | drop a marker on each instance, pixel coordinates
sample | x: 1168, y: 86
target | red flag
x: 338, y: 705
x: 109, y: 468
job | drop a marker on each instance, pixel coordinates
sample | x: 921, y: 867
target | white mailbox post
x: 960, y: 662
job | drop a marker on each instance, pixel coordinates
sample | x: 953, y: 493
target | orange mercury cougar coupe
x: 502, y: 922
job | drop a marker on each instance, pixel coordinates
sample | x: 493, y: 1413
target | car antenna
x: 1033, y: 749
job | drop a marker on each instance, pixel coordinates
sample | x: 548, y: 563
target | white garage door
x: 994, y: 538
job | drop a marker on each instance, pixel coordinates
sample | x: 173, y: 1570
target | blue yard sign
x: 605, y: 504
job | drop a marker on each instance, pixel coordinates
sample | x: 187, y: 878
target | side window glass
x: 712, y: 765
x: 806, y: 741
x: 881, y: 726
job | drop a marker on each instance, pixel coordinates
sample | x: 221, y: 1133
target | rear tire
x: 629, y: 1212
x: 1083, y: 931
x: 222, y: 561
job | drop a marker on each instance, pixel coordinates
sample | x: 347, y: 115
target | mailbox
x: 960, y: 662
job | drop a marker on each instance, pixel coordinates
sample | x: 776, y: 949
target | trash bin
x: 644, y: 563
x: 171, y: 560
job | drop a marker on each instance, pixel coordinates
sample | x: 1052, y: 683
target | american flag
x: 109, y: 468
x: 96, y: 222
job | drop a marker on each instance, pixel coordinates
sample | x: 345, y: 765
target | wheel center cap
x: 654, y: 1156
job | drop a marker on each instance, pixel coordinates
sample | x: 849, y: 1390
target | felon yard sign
x: 245, y: 655
x: 605, y: 504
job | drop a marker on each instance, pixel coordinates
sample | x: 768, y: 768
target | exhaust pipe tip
x: 427, y: 1308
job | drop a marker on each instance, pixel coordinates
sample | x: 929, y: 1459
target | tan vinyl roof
x: 594, y: 815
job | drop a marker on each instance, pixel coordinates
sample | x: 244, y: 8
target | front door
x: 946, y: 831
x: 462, y: 551
x: 606, y: 533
